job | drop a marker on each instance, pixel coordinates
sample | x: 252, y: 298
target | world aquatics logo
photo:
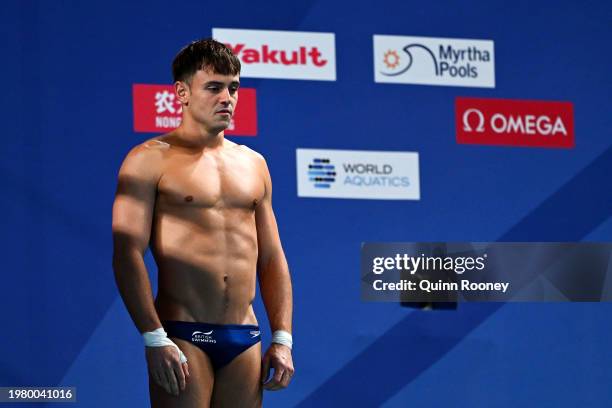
x: 321, y: 172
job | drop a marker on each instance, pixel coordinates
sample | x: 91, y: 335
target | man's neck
x: 196, y: 135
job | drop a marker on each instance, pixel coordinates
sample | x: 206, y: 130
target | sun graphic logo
x: 322, y: 173
x: 391, y: 59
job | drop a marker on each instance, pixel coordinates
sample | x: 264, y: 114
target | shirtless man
x: 204, y: 206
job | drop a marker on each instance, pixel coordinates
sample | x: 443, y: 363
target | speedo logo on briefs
x: 282, y: 54
x: 510, y: 122
x: 434, y: 61
x: 254, y: 333
x: 202, y: 337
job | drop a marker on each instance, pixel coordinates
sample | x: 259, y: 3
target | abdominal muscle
x: 206, y: 258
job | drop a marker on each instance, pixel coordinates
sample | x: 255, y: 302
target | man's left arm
x: 275, y: 286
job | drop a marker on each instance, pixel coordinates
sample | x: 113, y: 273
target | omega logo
x: 523, y: 124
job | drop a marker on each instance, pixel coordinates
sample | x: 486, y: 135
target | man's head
x: 206, y: 80
x: 205, y: 55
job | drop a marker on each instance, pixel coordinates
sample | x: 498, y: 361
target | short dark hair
x: 204, y: 54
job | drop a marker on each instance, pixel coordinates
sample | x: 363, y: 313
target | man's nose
x: 225, y: 96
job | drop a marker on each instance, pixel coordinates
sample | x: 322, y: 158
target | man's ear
x: 182, y: 92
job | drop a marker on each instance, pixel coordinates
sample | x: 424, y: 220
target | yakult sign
x: 282, y: 54
x: 509, y: 122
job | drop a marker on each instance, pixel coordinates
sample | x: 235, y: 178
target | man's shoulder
x: 252, y: 154
x: 146, y: 157
x: 150, y: 149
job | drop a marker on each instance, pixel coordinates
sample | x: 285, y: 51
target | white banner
x: 358, y: 174
x: 434, y: 61
x: 282, y: 54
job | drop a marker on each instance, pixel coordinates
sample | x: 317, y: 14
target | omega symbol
x: 481, y: 120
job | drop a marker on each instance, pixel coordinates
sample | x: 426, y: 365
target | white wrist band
x: 159, y: 338
x: 283, y: 337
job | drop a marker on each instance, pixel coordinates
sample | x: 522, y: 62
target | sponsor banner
x: 509, y: 122
x: 358, y: 174
x: 450, y: 272
x: 157, y: 110
x: 434, y: 61
x: 282, y: 54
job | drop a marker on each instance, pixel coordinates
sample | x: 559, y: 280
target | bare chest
x: 213, y: 181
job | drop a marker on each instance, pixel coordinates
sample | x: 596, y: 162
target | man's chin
x: 220, y: 126
x: 226, y: 121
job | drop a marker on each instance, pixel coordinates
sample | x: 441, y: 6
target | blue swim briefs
x: 221, y: 342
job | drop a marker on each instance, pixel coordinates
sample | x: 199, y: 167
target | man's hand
x: 279, y: 358
x: 166, y: 369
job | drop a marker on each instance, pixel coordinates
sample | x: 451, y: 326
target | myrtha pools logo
x: 321, y: 172
x: 434, y: 61
x: 392, y: 62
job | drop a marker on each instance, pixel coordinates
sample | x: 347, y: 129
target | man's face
x: 212, y: 99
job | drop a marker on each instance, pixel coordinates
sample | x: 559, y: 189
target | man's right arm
x: 132, y: 217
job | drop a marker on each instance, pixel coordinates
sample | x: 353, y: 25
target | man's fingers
x: 278, y: 374
x: 161, y: 380
x: 185, y: 368
x: 283, y: 370
x: 180, y: 375
x: 286, y: 378
x: 272, y: 385
x: 265, y: 370
x: 275, y: 382
x: 156, y: 378
x: 165, y: 368
x: 171, y: 378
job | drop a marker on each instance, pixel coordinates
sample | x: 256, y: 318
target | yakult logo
x: 282, y: 54
x: 266, y: 55
x: 514, y: 122
x: 434, y: 61
x: 157, y: 110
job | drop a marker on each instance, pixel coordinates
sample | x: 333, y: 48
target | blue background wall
x: 68, y: 68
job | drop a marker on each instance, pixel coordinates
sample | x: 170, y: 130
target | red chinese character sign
x: 157, y: 110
